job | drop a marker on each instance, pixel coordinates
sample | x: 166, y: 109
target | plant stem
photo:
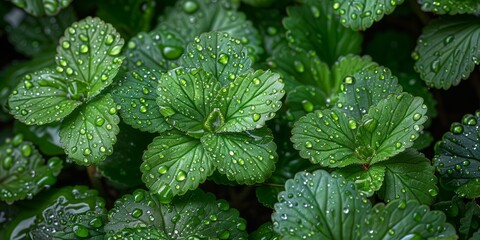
x: 95, y: 180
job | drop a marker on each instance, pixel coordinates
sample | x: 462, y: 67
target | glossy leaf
x: 361, y: 14
x: 87, y: 225
x: 136, y: 94
x: 185, y: 97
x: 409, y: 176
x: 158, y: 49
x: 246, y: 158
x: 89, y: 56
x: 45, y: 137
x: 250, y: 101
x: 264, y: 232
x: 42, y: 7
x: 194, y: 215
x: 447, y: 51
x: 175, y: 163
x: 470, y: 219
x: 88, y: 135
x: 304, y: 99
x: 42, y: 97
x: 219, y: 54
x: 347, y: 66
x: 319, y: 206
x: 367, y: 179
x: 450, y: 7
x: 457, y: 157
x: 23, y: 171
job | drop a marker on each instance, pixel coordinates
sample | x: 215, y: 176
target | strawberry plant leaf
x: 42, y: 97
x: 264, y: 232
x: 216, y: 52
x: 158, y: 49
x: 246, y: 158
x: 470, y: 219
x: 451, y: 7
x: 447, y: 51
x: 313, y: 26
x: 346, y: 66
x: 319, y: 206
x: 175, y: 163
x: 87, y: 225
x: 361, y: 14
x: 409, y: 176
x: 194, y: 215
x: 45, y: 137
x: 140, y: 233
x: 42, y: 7
x: 304, y: 99
x: 88, y: 134
x: 367, y: 181
x: 184, y: 98
x: 326, y: 137
x: 249, y: 101
x: 191, y: 18
x: 89, y: 56
x: 136, y: 94
x: 457, y: 157
x: 23, y: 172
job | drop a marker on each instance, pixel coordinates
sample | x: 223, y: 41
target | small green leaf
x: 246, y: 158
x: 23, y: 172
x: 415, y: 86
x: 409, y: 176
x: 451, y: 7
x: 136, y: 94
x: 457, y: 157
x: 89, y: 56
x: 319, y: 206
x: 158, y: 49
x: 447, y: 51
x: 347, y: 66
x: 326, y: 137
x: 42, y: 97
x: 219, y: 54
x: 250, y: 101
x: 42, y: 7
x: 361, y: 14
x: 368, y: 179
x: 185, y: 97
x: 88, y: 134
x: 175, y: 163
x: 264, y: 232
x: 196, y: 215
x: 304, y: 99
x: 313, y: 26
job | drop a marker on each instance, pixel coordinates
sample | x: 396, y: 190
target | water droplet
x: 349, y: 80
x: 224, y: 235
x: 456, y: 128
x: 137, y: 212
x: 99, y: 122
x: 172, y: 52
x: 27, y: 84
x: 398, y: 145
x: 308, y: 144
x: 352, y: 124
x: 26, y: 150
x: 80, y: 231
x: 66, y: 45
x: 162, y: 169
x: 433, y: 192
x: 299, y: 66
x: 307, y: 106
x: 190, y: 6
x: 435, y: 66
x: 7, y: 162
x: 449, y: 39
x: 223, y: 58
x: 336, y: 6
x: 256, y: 117
x: 143, y: 108
x: 83, y: 48
x: 112, y: 110
x: 115, y: 50
x: 87, y: 151
x: 181, y: 175
x: 109, y: 39
x: 417, y: 116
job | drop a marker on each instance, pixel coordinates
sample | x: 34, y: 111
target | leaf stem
x: 95, y: 180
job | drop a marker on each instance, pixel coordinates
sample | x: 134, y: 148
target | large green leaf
x: 158, y: 49
x: 88, y: 134
x: 42, y: 7
x: 175, y: 163
x: 42, y: 97
x: 457, y: 156
x: 367, y: 179
x: 88, y: 225
x: 218, y: 53
x: 313, y: 26
x: 89, y: 56
x: 409, y: 176
x: 450, y: 6
x: 319, y: 206
x: 185, y: 98
x: 250, y: 101
x: 136, y: 94
x: 361, y: 14
x: 23, y: 172
x: 196, y: 215
x: 246, y: 158
x: 447, y: 51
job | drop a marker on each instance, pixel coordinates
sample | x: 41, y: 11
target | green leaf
x: 250, y: 101
x: 326, y: 137
x: 470, y: 219
x: 313, y: 26
x: 451, y: 7
x: 219, y: 54
x: 140, y: 233
x: 361, y: 14
x: 190, y: 18
x: 457, y: 157
x: 89, y: 56
x: 42, y: 98
x: 247, y: 158
x: 45, y: 137
x: 447, y: 51
x: 42, y: 7
x: 23, y: 172
x: 185, y: 97
x: 346, y: 66
x: 319, y: 206
x: 136, y: 94
x: 196, y: 215
x: 175, y: 163
x: 409, y: 176
x: 88, y: 134
x: 367, y: 179
x: 87, y: 225
x: 304, y: 99
x: 158, y: 49
x: 402, y: 219
x: 264, y: 232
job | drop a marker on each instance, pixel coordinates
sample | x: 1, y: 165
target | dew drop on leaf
x: 456, y: 128
x: 299, y: 66
x: 80, y: 231
x: 308, y: 144
x: 83, y: 48
x: 190, y: 7
x: 162, y: 169
x: 307, y: 106
x: 256, y: 117
x: 136, y: 213
x: 223, y: 58
x: 181, y: 175
x: 417, y: 116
